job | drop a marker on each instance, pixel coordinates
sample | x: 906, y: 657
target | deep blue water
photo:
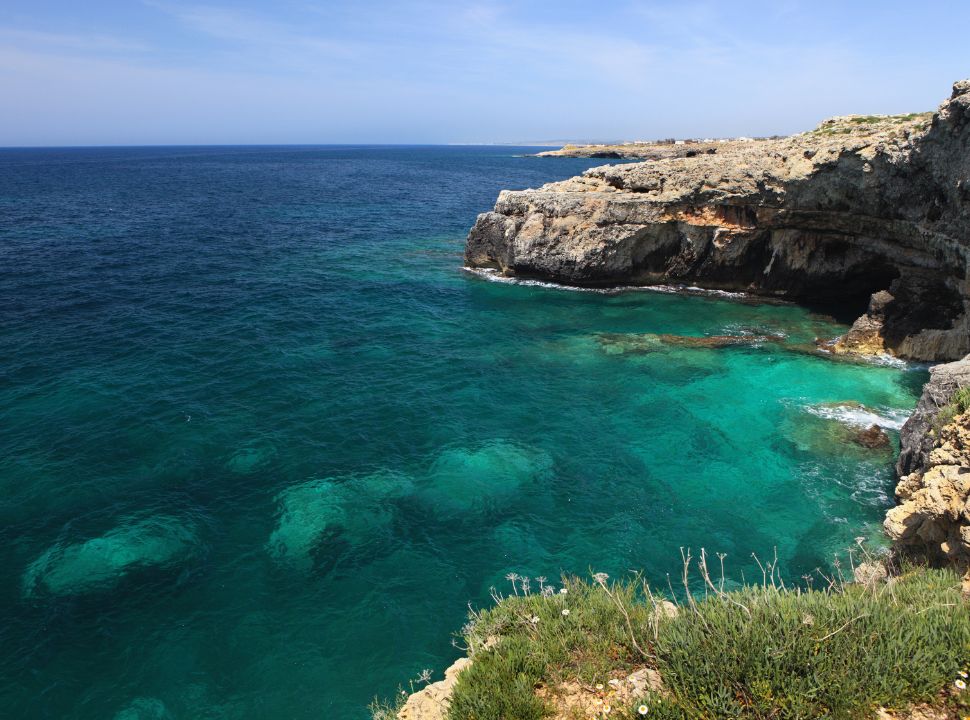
x: 262, y: 439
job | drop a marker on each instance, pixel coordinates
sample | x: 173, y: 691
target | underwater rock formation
x: 101, y: 562
x: 643, y: 343
x: 872, y: 437
x: 356, y: 508
x: 144, y: 708
x: 861, y: 211
x: 483, y: 479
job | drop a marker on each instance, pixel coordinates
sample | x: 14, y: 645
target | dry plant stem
x: 718, y: 591
x: 626, y: 616
x: 687, y: 557
x: 848, y: 622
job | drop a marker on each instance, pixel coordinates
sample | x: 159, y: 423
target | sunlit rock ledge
x: 870, y: 214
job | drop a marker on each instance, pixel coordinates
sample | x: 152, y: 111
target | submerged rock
x: 479, y: 480
x: 842, y: 427
x: 357, y: 509
x: 101, y: 562
x: 144, y: 708
x: 872, y: 437
x: 247, y: 459
x: 862, y: 209
x: 643, y: 343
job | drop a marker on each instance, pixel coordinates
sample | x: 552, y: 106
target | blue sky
x: 118, y: 72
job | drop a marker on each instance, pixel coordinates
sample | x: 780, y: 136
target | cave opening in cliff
x: 845, y: 297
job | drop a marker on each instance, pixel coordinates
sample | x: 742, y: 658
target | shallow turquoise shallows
x: 262, y: 439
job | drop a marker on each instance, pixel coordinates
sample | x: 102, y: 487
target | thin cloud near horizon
x: 170, y: 72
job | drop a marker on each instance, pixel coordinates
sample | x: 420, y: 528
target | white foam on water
x: 889, y: 361
x: 862, y: 417
x: 493, y: 275
x: 749, y: 331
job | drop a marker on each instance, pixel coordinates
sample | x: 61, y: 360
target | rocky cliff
x: 933, y: 517
x: 870, y: 214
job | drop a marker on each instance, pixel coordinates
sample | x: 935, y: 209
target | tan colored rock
x: 573, y: 699
x: 907, y: 485
x: 857, y: 205
x: 431, y: 702
x: 666, y: 610
x: 870, y: 574
x: 934, y: 514
x: 865, y: 337
x: 919, y: 712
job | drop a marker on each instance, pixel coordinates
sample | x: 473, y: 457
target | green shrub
x: 959, y: 404
x: 501, y: 686
x: 754, y: 653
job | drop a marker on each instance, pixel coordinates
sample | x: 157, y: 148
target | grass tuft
x: 758, y: 652
x: 959, y: 404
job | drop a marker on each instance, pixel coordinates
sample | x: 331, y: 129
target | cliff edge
x: 932, y: 518
x: 866, y: 213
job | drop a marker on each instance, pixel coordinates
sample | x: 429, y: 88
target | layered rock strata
x: 933, y: 517
x: 862, y: 211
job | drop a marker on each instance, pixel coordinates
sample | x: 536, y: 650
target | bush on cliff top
x: 958, y: 405
x: 758, y: 652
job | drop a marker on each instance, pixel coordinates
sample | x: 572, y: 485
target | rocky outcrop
x: 933, y: 517
x: 431, y: 702
x: 916, y: 438
x: 639, y: 150
x: 859, y: 206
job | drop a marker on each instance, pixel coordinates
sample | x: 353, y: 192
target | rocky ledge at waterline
x: 933, y: 517
x: 862, y: 211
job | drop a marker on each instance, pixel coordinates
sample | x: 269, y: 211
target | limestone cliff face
x: 933, y: 517
x: 860, y: 206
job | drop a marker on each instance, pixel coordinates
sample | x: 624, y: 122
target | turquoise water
x: 262, y: 439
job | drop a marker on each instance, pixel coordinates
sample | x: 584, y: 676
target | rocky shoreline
x: 932, y: 519
x: 868, y: 213
x: 871, y: 209
x: 931, y: 522
x: 865, y: 211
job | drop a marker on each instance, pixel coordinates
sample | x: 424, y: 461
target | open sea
x: 262, y: 439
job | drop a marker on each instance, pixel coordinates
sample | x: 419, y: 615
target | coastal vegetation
x: 959, y: 404
x: 829, y: 647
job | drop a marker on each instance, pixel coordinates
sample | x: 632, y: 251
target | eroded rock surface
x: 431, y: 702
x: 859, y: 206
x: 933, y: 517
